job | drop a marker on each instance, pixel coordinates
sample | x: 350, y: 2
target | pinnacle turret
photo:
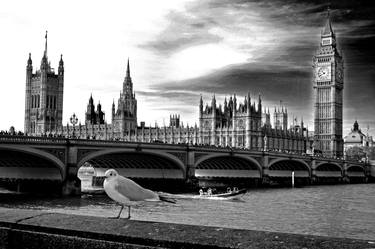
x: 128, y: 84
x: 61, y: 62
x: 128, y: 70
x: 61, y: 65
x: 29, y: 61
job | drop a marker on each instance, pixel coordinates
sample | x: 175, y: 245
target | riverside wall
x: 36, y: 229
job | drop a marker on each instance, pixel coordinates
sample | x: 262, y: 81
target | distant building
x: 174, y: 120
x: 358, y: 145
x: 92, y: 116
x: 357, y: 138
x: 124, y: 123
x: 266, y: 118
x: 241, y: 126
x: 124, y: 119
x: 280, y: 119
x: 44, y: 96
x: 231, y: 125
x: 328, y: 94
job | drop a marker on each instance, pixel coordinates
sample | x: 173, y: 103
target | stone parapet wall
x: 36, y: 229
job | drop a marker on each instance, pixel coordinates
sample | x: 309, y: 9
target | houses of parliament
x: 234, y: 123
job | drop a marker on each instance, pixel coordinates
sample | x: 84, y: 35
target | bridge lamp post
x: 73, y: 121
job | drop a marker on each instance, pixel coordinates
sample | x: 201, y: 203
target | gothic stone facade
x: 44, y: 96
x: 242, y: 127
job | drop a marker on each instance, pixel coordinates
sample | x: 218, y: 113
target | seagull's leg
x: 128, y: 212
x: 118, y: 216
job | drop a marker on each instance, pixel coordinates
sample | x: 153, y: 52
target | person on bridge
x: 127, y: 193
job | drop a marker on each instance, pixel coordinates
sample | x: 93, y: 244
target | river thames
x: 346, y: 211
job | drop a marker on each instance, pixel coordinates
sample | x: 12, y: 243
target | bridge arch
x: 328, y: 169
x: 25, y: 163
x: 354, y: 171
x: 227, y: 166
x: 283, y: 167
x: 136, y: 164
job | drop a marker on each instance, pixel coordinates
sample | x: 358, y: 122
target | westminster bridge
x: 57, y: 160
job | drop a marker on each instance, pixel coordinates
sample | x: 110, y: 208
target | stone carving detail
x: 59, y: 153
x: 179, y: 155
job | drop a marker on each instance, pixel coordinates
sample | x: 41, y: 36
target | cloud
x: 183, y: 30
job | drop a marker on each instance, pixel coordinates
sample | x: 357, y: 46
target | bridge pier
x: 191, y: 180
x: 266, y: 180
x: 72, y: 184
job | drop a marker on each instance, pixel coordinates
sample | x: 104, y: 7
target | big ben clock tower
x: 328, y: 94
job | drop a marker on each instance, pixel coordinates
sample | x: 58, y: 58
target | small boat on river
x: 210, y: 194
x: 229, y: 195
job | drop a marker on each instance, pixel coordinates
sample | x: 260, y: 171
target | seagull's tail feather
x: 167, y: 199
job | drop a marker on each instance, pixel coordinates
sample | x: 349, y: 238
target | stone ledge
x: 38, y: 229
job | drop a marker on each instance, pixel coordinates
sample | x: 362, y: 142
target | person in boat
x: 209, y: 191
x: 201, y: 192
x: 229, y: 190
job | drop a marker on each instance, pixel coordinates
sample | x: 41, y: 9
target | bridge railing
x: 6, y: 138
x: 31, y: 139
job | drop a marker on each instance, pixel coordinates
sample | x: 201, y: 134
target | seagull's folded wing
x: 133, y: 191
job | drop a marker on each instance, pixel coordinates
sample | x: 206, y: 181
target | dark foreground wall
x: 35, y: 229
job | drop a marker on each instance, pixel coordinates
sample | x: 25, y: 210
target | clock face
x: 324, y: 73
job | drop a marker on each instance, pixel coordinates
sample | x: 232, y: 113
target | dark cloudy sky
x: 179, y: 51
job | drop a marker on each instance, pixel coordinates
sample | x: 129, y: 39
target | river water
x: 334, y: 210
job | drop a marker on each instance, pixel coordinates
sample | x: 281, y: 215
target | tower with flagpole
x: 44, y: 96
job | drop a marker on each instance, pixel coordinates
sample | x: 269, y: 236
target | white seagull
x: 126, y: 192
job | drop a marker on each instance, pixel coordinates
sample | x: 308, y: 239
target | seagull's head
x: 111, y: 173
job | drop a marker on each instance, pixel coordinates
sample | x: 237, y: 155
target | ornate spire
x: 45, y: 46
x: 91, y: 100
x: 128, y: 84
x: 128, y: 70
x: 61, y: 65
x: 328, y: 27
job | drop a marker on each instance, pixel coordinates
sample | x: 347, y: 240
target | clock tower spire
x: 328, y: 86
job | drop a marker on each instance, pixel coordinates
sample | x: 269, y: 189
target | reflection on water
x: 339, y: 210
